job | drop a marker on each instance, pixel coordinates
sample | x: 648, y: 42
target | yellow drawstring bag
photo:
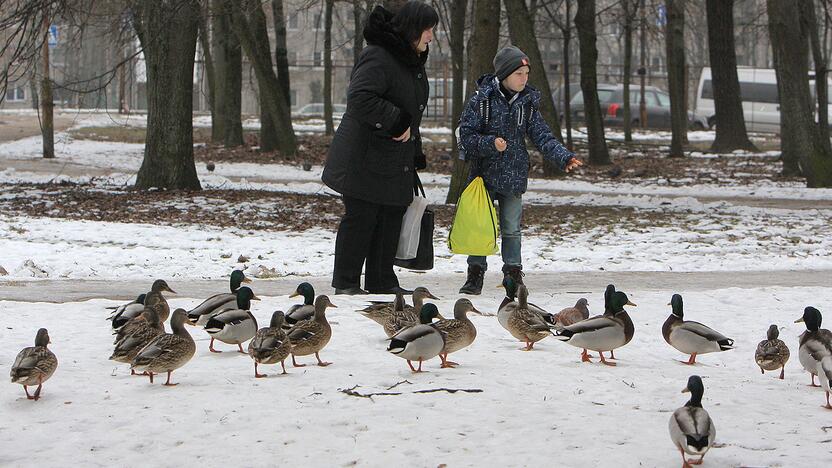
x: 475, y: 227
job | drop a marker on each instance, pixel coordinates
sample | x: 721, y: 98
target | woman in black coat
x: 377, y: 147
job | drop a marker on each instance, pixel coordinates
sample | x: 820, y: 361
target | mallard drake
x: 121, y: 314
x: 234, y: 326
x: 199, y: 315
x: 419, y: 342
x: 691, y: 337
x: 503, y: 312
x: 772, y: 353
x: 311, y: 336
x: 138, y: 333
x: 168, y: 351
x: 34, y: 365
x: 270, y: 345
x: 380, y: 311
x: 304, y: 311
x: 815, y: 352
x: 459, y: 332
x: 155, y: 299
x: 148, y: 317
x: 602, y: 333
x: 523, y: 322
x: 691, y: 428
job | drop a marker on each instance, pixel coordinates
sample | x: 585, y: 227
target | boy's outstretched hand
x: 572, y: 164
x: 500, y: 144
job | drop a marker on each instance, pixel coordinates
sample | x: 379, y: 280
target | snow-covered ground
x: 536, y: 408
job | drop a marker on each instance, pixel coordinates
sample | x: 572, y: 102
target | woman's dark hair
x: 413, y: 18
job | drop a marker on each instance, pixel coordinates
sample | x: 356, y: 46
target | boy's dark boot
x: 515, y: 272
x: 473, y: 285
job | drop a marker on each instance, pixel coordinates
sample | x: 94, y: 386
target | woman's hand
x: 404, y: 136
x: 572, y: 164
x: 500, y: 144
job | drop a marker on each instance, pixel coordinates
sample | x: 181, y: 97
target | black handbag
x: 424, y: 253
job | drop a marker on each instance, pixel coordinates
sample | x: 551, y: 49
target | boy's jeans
x: 511, y: 210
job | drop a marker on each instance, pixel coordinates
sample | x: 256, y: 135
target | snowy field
x: 535, y: 408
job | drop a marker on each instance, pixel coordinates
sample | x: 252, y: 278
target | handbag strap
x: 417, y: 185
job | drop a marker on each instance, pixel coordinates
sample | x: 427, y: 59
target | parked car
x: 760, y: 99
x: 316, y: 110
x: 576, y: 105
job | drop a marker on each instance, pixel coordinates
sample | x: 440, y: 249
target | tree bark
x: 731, y: 133
x: 47, y: 125
x: 228, y: 73
x: 329, y: 127
x: 358, y: 28
x: 821, y: 87
x: 459, y: 8
x: 521, y: 27
x: 168, y: 34
x: 249, y: 22
x: 281, y: 51
x: 482, y: 46
x: 205, y: 44
x: 675, y: 49
x: 630, y: 12
x: 585, y: 23
x: 799, y: 142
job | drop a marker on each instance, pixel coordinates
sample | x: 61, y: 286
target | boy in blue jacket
x: 492, y: 132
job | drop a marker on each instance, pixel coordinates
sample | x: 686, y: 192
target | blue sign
x: 53, y: 35
x: 661, y: 15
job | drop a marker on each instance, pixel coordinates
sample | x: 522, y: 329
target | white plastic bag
x: 411, y: 228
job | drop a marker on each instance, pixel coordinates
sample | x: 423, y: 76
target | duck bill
x: 170, y: 290
x: 246, y: 279
x: 800, y: 320
x: 685, y: 390
x: 254, y: 298
x: 294, y: 294
x: 332, y: 305
x: 476, y: 311
x: 634, y: 305
x: 433, y: 297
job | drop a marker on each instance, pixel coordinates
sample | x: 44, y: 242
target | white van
x: 760, y: 100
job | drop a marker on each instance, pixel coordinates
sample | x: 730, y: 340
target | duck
x: 690, y: 337
x: 815, y: 351
x: 270, y: 345
x: 148, y: 317
x: 419, y: 342
x: 524, y: 321
x: 121, y: 314
x: 691, y: 428
x: 459, y: 332
x: 234, y: 326
x: 168, y: 351
x: 570, y: 315
x: 772, y: 353
x: 199, y: 315
x: 504, y: 311
x: 156, y: 300
x: 380, y: 311
x: 140, y: 332
x: 34, y: 365
x: 604, y: 332
x: 311, y: 336
x: 299, y: 312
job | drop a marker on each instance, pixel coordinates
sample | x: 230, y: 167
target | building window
x: 292, y: 58
x: 317, y: 23
x: 318, y: 59
x: 16, y: 94
x: 292, y: 22
x: 293, y: 98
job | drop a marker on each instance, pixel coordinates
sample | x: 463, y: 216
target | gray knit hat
x: 507, y: 60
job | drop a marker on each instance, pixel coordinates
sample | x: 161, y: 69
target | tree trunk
x: 585, y: 23
x: 33, y: 86
x: 730, y: 122
x: 330, y: 128
x: 205, y: 44
x: 358, y: 29
x: 567, y: 95
x: 459, y: 8
x: 642, y: 71
x: 47, y: 125
x: 799, y: 136
x: 675, y: 49
x: 281, y: 52
x: 228, y: 73
x: 521, y: 27
x: 821, y: 87
x: 630, y: 11
x: 482, y: 46
x: 168, y: 34
x: 251, y: 30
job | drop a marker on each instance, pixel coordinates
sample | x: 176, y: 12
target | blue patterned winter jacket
x: 479, y: 126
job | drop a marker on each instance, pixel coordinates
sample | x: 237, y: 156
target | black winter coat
x: 387, y: 94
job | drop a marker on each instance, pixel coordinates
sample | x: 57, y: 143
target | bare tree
x: 630, y: 10
x: 808, y: 15
x: 675, y: 48
x: 565, y: 25
x: 482, y: 46
x: 731, y: 133
x: 330, y: 128
x: 228, y: 74
x: 168, y: 34
x: 281, y: 51
x: 585, y: 23
x: 47, y: 124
